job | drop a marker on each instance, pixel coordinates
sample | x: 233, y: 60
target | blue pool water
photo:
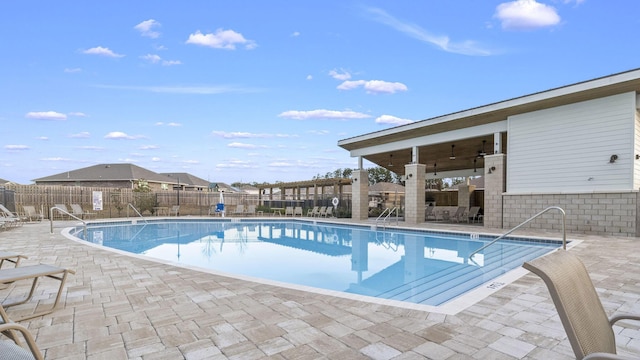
x: 413, y: 266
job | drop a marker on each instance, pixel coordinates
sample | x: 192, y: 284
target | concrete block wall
x: 494, y: 187
x: 415, y: 196
x: 613, y: 213
x: 360, y: 195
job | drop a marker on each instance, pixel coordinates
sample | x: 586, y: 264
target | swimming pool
x: 412, y: 266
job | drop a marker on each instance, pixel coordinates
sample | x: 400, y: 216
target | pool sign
x: 97, y: 200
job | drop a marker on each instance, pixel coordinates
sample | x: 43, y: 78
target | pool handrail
x: 130, y: 205
x: 384, y: 221
x: 564, y: 232
x: 68, y: 214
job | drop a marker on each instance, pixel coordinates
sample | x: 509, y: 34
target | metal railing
x: 65, y: 212
x: 388, y: 212
x: 130, y: 205
x: 564, y: 232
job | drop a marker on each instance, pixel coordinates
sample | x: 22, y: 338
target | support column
x: 414, y: 193
x: 360, y: 195
x: 464, y: 195
x: 494, y: 187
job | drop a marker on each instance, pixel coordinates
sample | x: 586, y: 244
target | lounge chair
x: 328, y: 212
x: 30, y: 213
x: 12, y: 349
x: 459, y: 214
x: 251, y: 210
x: 239, y: 210
x: 34, y: 272
x: 9, y: 216
x: 77, y: 211
x: 297, y: 211
x: 322, y: 210
x: 583, y: 317
x: 312, y: 212
x: 288, y: 211
x: 10, y: 257
x: 428, y: 213
x: 474, y: 214
x: 175, y: 210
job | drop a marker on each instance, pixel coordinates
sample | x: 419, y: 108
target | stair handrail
x: 68, y: 214
x: 395, y: 208
x: 130, y: 205
x: 381, y: 215
x: 564, y: 232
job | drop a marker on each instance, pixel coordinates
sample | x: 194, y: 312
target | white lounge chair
x: 31, y: 214
x: 313, y: 212
x: 175, y: 210
x: 79, y: 212
x: 297, y: 211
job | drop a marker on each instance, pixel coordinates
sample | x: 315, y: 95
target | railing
x: 63, y: 211
x: 129, y: 205
x: 388, y: 212
x: 564, y: 232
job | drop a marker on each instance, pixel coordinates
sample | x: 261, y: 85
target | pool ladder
x: 564, y: 231
x: 388, y: 212
x: 130, y: 205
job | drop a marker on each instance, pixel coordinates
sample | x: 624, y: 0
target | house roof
x: 470, y: 129
x: 187, y: 179
x: 108, y: 172
x: 3, y: 181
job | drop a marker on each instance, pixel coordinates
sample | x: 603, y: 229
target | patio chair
x: 13, y: 349
x: 312, y: 212
x: 77, y: 211
x: 217, y: 209
x: 33, y: 272
x: 175, y: 210
x: 288, y: 211
x: 322, y: 210
x: 328, y: 212
x: 576, y: 300
x: 30, y: 213
x: 9, y: 216
x: 251, y: 210
x: 239, y: 210
x: 11, y: 257
x: 459, y: 214
x: 297, y: 211
x: 474, y: 214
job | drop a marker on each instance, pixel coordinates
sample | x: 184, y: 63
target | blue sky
x: 263, y: 90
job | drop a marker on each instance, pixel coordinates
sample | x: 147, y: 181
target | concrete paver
x: 119, y: 306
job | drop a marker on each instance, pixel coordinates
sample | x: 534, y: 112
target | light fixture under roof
x: 390, y: 160
x: 453, y: 156
x: 482, y: 153
x: 435, y: 169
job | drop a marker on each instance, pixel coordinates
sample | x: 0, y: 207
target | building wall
x: 636, y: 168
x: 605, y: 213
x: 567, y: 148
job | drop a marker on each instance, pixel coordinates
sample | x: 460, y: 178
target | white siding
x: 636, y: 164
x: 567, y: 148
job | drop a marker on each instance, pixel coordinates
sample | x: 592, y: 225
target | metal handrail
x: 68, y: 214
x: 379, y: 216
x: 384, y: 221
x: 130, y: 205
x: 564, y: 232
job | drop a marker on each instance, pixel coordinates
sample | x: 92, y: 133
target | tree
x: 380, y: 174
x: 143, y: 198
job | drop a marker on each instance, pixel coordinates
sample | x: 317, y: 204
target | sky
x: 262, y: 91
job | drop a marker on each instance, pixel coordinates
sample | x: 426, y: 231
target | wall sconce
x: 390, y: 160
x: 355, y: 179
x: 613, y: 158
x: 435, y: 169
x: 410, y: 175
x: 474, y: 164
x: 453, y: 156
x: 637, y: 156
x: 491, y: 169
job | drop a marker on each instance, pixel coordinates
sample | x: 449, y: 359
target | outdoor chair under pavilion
x: 297, y: 211
x: 313, y: 212
x: 79, y: 212
x: 175, y: 210
x: 30, y: 213
x: 458, y: 216
x: 474, y: 214
x: 239, y: 210
x: 587, y: 326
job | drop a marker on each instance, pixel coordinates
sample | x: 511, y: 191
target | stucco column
x: 494, y: 186
x: 360, y: 195
x: 464, y: 195
x: 414, y: 193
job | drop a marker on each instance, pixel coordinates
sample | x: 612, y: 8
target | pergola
x: 302, y: 190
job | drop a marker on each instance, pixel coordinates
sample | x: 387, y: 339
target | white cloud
x: 55, y: 159
x: 46, y: 115
x: 43, y: 138
x: 146, y: 28
x: 526, y: 15
x: 171, y: 62
x: 174, y: 124
x: 295, y: 34
x: 152, y: 58
x: 78, y: 114
x: 309, y: 77
x: 72, y: 70
x: 149, y: 147
x: 323, y: 114
x: 221, y: 39
x: 118, y: 135
x: 467, y: 47
x: 319, y: 132
x: 247, y: 135
x: 392, y: 120
x: 374, y: 86
x: 341, y: 75
x: 239, y: 145
x: 93, y: 148
x: 102, y: 51
x: 191, y: 162
x: 81, y: 135
x: 156, y: 159
x: 16, y: 147
x: 237, y: 164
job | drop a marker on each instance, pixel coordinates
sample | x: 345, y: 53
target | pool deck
x: 118, y: 307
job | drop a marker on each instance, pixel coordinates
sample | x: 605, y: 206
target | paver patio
x: 119, y: 306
